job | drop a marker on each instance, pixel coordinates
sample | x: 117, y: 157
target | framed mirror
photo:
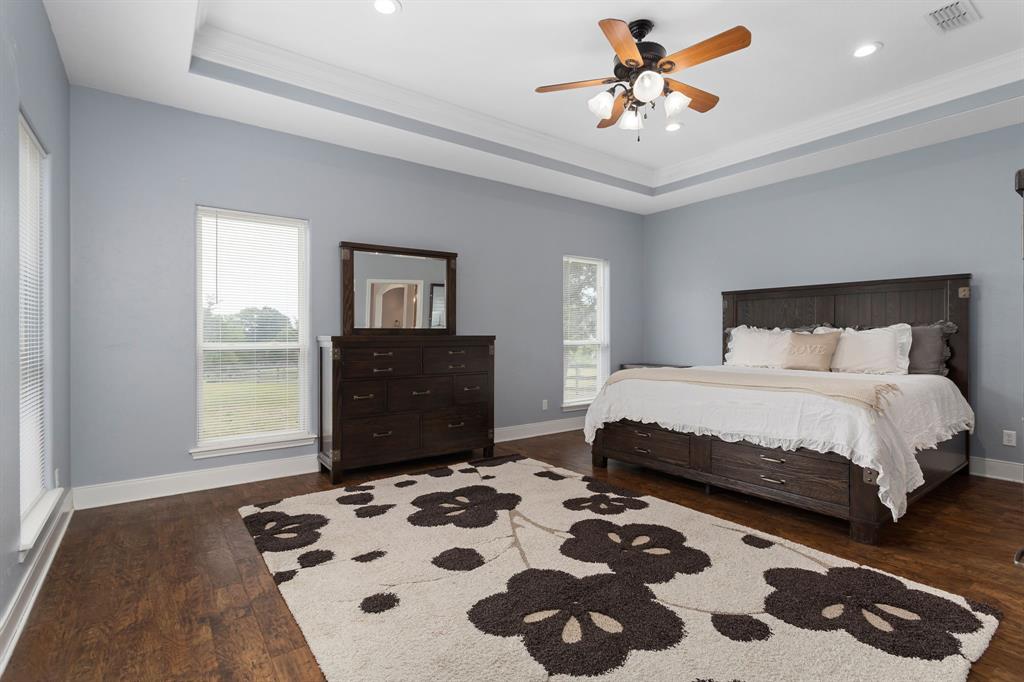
x: 395, y: 290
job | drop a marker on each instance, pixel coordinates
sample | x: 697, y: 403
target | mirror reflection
x: 395, y: 291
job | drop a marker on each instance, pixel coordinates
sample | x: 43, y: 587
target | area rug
x: 511, y: 569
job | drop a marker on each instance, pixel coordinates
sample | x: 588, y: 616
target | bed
x: 808, y: 451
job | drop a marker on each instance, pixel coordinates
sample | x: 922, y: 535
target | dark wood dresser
x: 393, y: 398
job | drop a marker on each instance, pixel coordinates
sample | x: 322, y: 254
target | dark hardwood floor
x: 174, y: 589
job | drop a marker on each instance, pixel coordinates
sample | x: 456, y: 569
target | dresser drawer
x: 454, y: 428
x: 456, y: 359
x: 421, y: 393
x: 472, y: 388
x: 819, y: 479
x: 365, y: 439
x: 379, y: 363
x: 649, y: 442
x: 362, y: 398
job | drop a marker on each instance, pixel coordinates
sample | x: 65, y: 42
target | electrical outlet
x: 1010, y: 438
x: 543, y: 404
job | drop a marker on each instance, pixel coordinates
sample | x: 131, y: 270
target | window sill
x: 238, y: 447
x: 576, y: 407
x: 33, y: 523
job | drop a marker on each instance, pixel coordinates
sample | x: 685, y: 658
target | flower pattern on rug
x: 640, y: 551
x: 578, y: 626
x: 603, y: 504
x: 473, y: 506
x: 740, y: 627
x: 876, y: 609
x: 279, y: 532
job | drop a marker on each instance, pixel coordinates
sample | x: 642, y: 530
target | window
x: 251, y: 323
x: 585, y: 357
x: 33, y: 331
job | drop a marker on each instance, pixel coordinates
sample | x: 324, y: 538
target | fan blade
x: 575, y: 84
x: 734, y: 39
x: 617, y: 33
x: 699, y: 100
x: 618, y: 106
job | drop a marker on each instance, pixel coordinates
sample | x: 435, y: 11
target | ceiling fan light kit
x: 639, y: 69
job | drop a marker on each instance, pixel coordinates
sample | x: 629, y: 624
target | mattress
x: 927, y: 410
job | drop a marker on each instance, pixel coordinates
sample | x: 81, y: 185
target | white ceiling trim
x: 963, y: 82
x: 243, y: 53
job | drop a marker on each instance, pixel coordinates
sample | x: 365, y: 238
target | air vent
x: 954, y: 15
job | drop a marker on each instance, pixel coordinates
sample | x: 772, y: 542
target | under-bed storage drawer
x: 804, y: 475
x: 648, y: 441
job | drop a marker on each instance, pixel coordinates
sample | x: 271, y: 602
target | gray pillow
x: 929, y: 349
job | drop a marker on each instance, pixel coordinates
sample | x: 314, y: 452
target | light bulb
x: 631, y: 120
x: 676, y: 103
x: 867, y: 49
x: 600, y: 105
x: 648, y: 85
x: 387, y: 6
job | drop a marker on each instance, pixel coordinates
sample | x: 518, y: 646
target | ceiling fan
x: 639, y: 69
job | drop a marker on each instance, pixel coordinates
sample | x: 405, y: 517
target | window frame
x: 34, y: 517
x: 240, y: 444
x: 603, y: 341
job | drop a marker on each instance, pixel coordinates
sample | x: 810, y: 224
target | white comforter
x: 928, y: 410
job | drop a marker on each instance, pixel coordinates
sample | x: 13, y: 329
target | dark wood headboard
x: 914, y: 300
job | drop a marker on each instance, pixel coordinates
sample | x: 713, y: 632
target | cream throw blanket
x: 867, y: 393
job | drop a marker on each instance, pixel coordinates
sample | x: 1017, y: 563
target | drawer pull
x: 642, y: 434
x: 457, y: 366
x: 456, y: 352
x: 642, y: 451
x: 470, y: 388
x: 426, y: 392
x: 383, y: 434
x: 377, y: 370
x: 368, y: 396
x: 387, y: 354
x: 779, y: 481
x: 772, y: 460
x: 457, y: 425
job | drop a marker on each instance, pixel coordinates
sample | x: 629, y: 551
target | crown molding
x: 963, y: 82
x: 246, y: 54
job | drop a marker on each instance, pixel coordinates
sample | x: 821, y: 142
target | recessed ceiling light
x: 387, y: 6
x: 867, y: 49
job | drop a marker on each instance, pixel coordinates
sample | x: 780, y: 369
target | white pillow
x: 885, y: 350
x: 754, y: 347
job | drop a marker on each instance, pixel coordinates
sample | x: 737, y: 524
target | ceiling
x: 450, y: 84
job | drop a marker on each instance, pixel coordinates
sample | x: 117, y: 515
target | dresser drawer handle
x: 470, y: 388
x: 457, y: 366
x: 642, y: 451
x: 774, y: 480
x: 368, y: 396
x: 426, y: 392
x: 386, y: 354
x: 377, y: 370
x: 383, y: 434
x: 642, y: 434
x: 456, y: 352
x: 457, y: 425
x: 772, y: 460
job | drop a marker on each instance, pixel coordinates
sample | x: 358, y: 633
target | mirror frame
x: 348, y: 313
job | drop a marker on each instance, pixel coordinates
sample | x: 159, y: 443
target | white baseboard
x: 997, y: 468
x: 507, y: 433
x: 131, y: 490
x: 36, y: 568
x: 116, y: 492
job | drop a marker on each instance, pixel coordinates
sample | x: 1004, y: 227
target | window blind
x: 251, y: 328
x: 32, y: 320
x: 584, y: 329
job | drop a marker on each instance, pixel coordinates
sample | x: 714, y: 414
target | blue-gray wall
x: 943, y: 209
x: 31, y: 78
x: 139, y: 170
